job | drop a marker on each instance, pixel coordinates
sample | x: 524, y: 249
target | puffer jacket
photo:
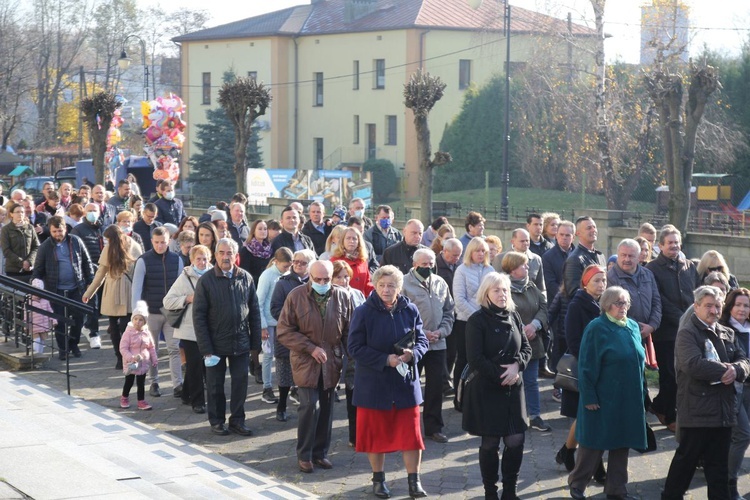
x: 466, y: 281
x: 226, y: 316
x: 18, y: 244
x: 116, y: 298
x: 302, y: 328
x: 700, y: 402
x: 134, y: 343
x: 286, y: 284
x: 176, y: 298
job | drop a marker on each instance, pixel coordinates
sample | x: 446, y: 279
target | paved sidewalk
x: 448, y: 470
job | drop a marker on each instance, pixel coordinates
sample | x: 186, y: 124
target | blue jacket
x: 170, y: 211
x: 372, y: 333
x: 553, y: 262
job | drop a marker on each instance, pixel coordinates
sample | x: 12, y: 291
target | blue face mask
x: 385, y: 223
x: 321, y: 289
x: 199, y: 272
x: 212, y: 361
x: 92, y: 217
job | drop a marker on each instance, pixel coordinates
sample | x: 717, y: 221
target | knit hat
x: 340, y: 212
x: 218, y: 215
x: 140, y: 309
x: 37, y: 283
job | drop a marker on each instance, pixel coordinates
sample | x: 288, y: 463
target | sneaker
x: 124, y: 402
x: 95, y: 342
x: 293, y: 396
x: 153, y: 391
x: 557, y: 395
x: 143, y: 405
x: 539, y: 424
x: 269, y: 397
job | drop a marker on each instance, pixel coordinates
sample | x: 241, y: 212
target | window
x: 356, y: 129
x: 379, y: 74
x: 253, y: 75
x: 464, y: 73
x: 391, y: 130
x: 206, y: 88
x: 318, y: 97
x: 318, y: 152
x: 355, y: 76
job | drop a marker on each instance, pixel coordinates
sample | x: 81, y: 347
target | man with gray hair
x: 446, y: 263
x: 430, y: 293
x: 226, y: 317
x: 400, y: 254
x: 708, y: 362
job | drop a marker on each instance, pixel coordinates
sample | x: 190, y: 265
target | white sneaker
x: 95, y: 342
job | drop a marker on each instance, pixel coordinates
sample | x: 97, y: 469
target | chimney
x: 357, y: 9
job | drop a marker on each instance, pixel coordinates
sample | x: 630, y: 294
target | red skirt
x: 386, y: 431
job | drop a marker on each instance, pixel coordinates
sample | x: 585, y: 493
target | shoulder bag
x: 174, y: 316
x: 567, y: 373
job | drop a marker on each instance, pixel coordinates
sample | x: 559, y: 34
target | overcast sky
x: 719, y: 24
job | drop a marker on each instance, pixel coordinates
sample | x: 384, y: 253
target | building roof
x: 335, y: 16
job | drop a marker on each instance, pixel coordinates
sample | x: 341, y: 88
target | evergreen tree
x: 212, y: 166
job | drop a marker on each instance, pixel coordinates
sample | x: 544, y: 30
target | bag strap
x: 189, y: 280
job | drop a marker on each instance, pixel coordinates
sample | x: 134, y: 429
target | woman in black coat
x: 255, y: 253
x: 496, y: 351
x: 582, y: 309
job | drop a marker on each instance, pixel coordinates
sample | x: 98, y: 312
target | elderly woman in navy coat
x: 386, y: 391
x: 611, y: 416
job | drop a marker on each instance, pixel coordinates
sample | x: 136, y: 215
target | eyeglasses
x: 301, y: 263
x: 622, y: 303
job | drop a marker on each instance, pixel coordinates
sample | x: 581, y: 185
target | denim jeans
x: 267, y: 362
x: 531, y: 388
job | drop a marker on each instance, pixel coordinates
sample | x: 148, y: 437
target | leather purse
x: 405, y: 342
x: 567, y: 373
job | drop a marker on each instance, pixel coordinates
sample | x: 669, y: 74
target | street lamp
x: 124, y: 61
x: 475, y: 4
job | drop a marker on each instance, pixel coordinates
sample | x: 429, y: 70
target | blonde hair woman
x: 351, y: 249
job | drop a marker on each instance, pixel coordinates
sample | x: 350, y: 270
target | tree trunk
x: 240, y: 164
x: 424, y: 153
x: 98, y: 139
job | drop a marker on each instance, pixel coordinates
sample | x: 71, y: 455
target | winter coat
x: 553, y: 262
x: 144, y: 231
x: 302, y: 328
x: 445, y: 271
x: 536, y: 269
x: 578, y: 260
x: 318, y: 239
x: 699, y: 402
x: 645, y: 301
x: 466, y: 281
x: 116, y: 298
x: 91, y: 234
x: 41, y: 323
x: 284, y: 285
x: 252, y: 264
x: 153, y: 276
x: 531, y: 305
x: 583, y: 308
x: 372, y: 333
x: 382, y: 241
x: 540, y: 248
x: 434, y: 303
x: 46, y: 265
x: 170, y: 211
x: 266, y: 284
x: 18, y: 244
x: 176, y: 298
x: 676, y: 280
x: 610, y: 374
x: 400, y: 255
x: 360, y: 275
x: 489, y: 408
x: 285, y: 239
x: 226, y: 317
x: 134, y: 343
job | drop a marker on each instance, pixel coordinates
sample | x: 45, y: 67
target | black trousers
x: 75, y: 327
x: 459, y: 332
x: 217, y: 400
x: 92, y: 320
x: 117, y: 325
x: 140, y: 386
x: 666, y: 401
x: 432, y: 414
x: 709, y: 443
x: 450, y: 358
x: 351, y: 415
x: 193, y: 391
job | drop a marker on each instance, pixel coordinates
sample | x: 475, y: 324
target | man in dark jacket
x: 237, y: 224
x: 155, y: 273
x: 170, y: 208
x: 314, y: 324
x: 291, y: 237
x: 400, y: 254
x: 676, y: 279
x: 382, y: 234
x: 121, y: 199
x: 554, y: 259
x: 316, y: 228
x: 90, y: 231
x: 708, y: 362
x: 107, y: 213
x: 583, y: 255
x: 538, y: 244
x: 63, y: 263
x: 147, y: 224
x: 226, y: 317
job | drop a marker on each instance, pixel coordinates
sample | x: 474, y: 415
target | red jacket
x: 361, y: 275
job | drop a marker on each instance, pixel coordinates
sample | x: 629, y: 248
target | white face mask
x: 169, y: 195
x: 92, y: 217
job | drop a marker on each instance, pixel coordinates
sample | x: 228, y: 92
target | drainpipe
x: 421, y: 48
x: 296, y: 102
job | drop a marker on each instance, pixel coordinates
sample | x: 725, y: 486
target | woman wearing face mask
x: 352, y: 250
x: 125, y: 220
x: 19, y: 243
x: 181, y: 296
x: 116, y: 264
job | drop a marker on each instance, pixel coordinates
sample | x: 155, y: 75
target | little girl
x: 138, y: 355
x: 41, y: 324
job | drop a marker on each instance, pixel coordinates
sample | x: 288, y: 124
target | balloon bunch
x: 114, y: 157
x: 163, y: 132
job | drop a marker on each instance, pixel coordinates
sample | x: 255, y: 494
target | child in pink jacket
x: 41, y: 324
x: 138, y: 355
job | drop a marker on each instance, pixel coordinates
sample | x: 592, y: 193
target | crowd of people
x: 307, y: 303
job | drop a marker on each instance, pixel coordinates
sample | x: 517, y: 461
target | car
x: 67, y: 174
x: 33, y: 185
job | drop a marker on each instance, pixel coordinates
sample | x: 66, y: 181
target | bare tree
x: 98, y: 111
x: 114, y: 21
x: 421, y: 94
x: 15, y: 76
x: 243, y: 99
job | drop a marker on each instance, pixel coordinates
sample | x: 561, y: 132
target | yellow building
x: 336, y: 69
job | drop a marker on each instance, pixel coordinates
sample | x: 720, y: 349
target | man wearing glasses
x: 314, y: 325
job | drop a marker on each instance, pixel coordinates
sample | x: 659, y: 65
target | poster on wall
x: 331, y: 187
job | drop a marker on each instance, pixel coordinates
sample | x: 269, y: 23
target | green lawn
x: 522, y: 199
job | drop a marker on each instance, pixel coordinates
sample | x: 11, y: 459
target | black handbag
x: 405, y: 342
x: 174, y: 316
x: 567, y: 373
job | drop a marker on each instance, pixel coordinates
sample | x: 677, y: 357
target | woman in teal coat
x: 610, y: 410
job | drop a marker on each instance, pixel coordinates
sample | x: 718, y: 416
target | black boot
x: 566, y: 456
x: 511, y: 466
x: 379, y: 487
x: 415, y: 486
x: 509, y: 489
x: 600, y: 476
x: 489, y: 463
x: 734, y: 493
x: 259, y: 375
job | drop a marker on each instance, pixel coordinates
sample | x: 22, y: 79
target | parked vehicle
x: 33, y: 185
